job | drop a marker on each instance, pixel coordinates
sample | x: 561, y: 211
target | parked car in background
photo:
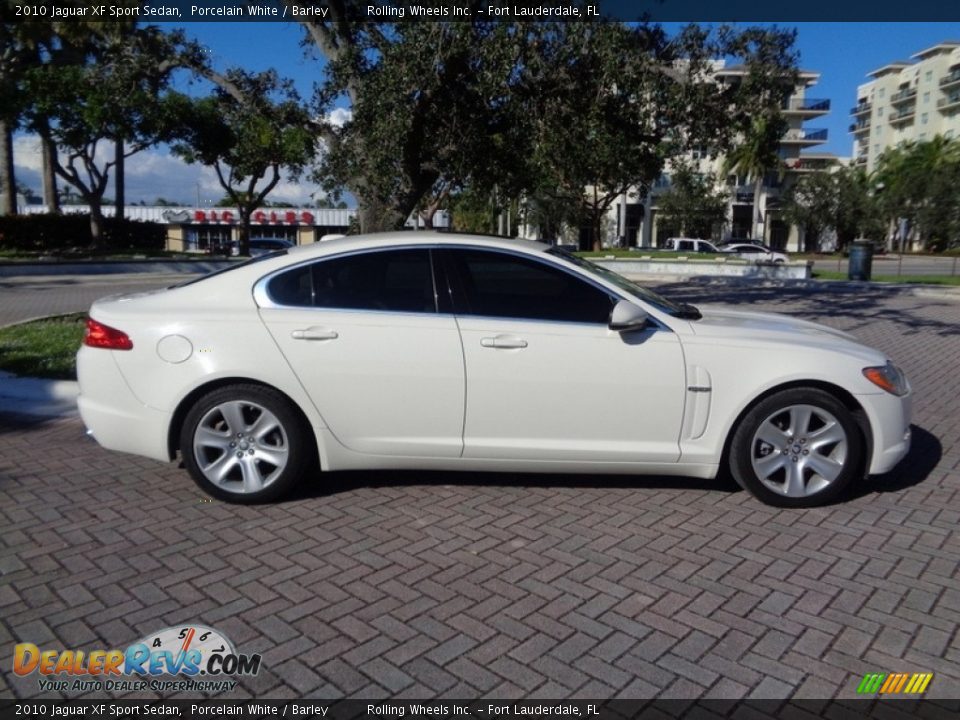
x: 422, y: 350
x: 755, y: 251
x: 692, y: 245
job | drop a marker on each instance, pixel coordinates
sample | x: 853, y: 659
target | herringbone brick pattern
x: 427, y: 585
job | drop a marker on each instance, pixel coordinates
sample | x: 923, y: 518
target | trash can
x: 860, y: 266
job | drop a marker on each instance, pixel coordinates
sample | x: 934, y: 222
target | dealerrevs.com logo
x: 188, y: 651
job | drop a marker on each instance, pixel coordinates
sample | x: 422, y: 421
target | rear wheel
x: 797, y: 448
x: 244, y: 444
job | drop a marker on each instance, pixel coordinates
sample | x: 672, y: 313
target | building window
x: 880, y: 112
x: 880, y: 93
x: 876, y: 149
x: 207, y: 238
x: 923, y: 119
x: 923, y: 136
x: 928, y: 76
x: 926, y: 97
x: 274, y: 232
x: 948, y: 134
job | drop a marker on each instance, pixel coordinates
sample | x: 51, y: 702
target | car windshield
x: 680, y: 310
x: 233, y: 266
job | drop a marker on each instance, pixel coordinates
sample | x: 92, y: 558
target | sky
x: 843, y: 53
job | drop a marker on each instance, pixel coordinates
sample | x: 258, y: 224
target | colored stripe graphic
x: 894, y: 683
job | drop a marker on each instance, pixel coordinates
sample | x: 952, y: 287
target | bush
x: 58, y: 233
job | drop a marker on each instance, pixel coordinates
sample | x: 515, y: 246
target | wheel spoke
x: 796, y: 487
x: 252, y: 479
x: 233, y: 415
x: 828, y: 468
x: 265, y: 424
x: 768, y: 465
x: 208, y: 437
x: 827, y: 435
x: 799, y: 420
x: 220, y: 468
x: 276, y: 456
x: 772, y: 435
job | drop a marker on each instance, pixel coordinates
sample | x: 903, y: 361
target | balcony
x: 806, y: 106
x: 860, y: 127
x: 860, y: 160
x: 950, y: 103
x: 902, y: 117
x: 950, y: 79
x: 904, y: 96
x: 861, y: 108
x: 805, y: 136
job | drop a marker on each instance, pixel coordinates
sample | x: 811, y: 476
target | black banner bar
x: 187, y: 11
x: 881, y: 708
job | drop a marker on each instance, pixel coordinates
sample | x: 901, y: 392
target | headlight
x: 888, y: 377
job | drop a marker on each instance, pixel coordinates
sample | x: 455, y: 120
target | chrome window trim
x: 263, y: 300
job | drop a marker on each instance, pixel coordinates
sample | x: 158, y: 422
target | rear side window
x: 389, y: 280
x: 496, y: 284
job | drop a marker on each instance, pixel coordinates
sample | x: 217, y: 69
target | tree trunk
x: 757, y: 190
x: 119, y: 181
x: 50, y: 197
x: 96, y: 221
x: 8, y: 179
x: 595, y: 225
x: 243, y: 238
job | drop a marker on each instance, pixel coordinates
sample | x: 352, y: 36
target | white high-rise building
x: 905, y: 101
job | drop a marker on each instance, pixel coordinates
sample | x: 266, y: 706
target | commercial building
x: 634, y: 221
x: 907, y: 100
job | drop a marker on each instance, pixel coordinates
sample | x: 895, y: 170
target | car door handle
x: 503, y: 341
x: 315, y: 333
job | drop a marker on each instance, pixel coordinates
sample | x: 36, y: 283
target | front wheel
x: 244, y: 444
x: 797, y: 448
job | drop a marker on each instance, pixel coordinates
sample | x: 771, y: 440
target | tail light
x: 103, y: 336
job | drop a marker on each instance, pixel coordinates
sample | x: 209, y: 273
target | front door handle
x: 315, y: 333
x: 503, y: 341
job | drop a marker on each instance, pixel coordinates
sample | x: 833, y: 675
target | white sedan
x: 439, y: 351
x: 755, y: 251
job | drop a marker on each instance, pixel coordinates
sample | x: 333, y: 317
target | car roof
x: 407, y: 238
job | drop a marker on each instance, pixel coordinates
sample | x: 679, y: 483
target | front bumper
x: 889, y: 418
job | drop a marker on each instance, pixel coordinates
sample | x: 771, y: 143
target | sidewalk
x: 33, y: 396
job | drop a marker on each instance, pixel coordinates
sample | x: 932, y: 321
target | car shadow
x: 917, y: 466
x: 334, y: 483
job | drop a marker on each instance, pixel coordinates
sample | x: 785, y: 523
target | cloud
x: 157, y: 173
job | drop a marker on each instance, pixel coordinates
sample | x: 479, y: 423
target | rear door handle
x: 503, y: 341
x: 315, y: 333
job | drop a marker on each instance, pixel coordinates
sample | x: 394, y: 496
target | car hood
x: 722, y: 323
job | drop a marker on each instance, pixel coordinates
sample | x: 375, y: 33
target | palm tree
x: 756, y: 156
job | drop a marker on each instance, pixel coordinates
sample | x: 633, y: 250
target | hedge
x: 56, y: 233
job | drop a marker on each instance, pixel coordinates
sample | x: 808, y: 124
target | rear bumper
x: 889, y: 418
x: 111, y: 413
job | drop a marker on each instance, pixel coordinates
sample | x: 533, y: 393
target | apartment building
x: 635, y: 222
x: 907, y: 100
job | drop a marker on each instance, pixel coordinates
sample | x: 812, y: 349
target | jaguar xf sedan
x: 452, y: 352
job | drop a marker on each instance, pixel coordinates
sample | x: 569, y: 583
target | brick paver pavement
x: 435, y: 584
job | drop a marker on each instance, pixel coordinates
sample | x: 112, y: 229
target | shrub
x: 58, y: 233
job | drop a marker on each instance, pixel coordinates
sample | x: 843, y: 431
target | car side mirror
x: 626, y: 316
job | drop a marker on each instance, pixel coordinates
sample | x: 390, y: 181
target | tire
x: 797, y: 448
x: 245, y: 444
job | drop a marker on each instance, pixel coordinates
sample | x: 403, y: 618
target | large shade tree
x: 108, y: 106
x: 694, y: 205
x: 251, y: 130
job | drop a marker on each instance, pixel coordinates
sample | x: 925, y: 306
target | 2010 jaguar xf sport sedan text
x: 440, y: 351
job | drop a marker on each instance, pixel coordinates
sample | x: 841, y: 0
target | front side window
x: 387, y: 280
x: 497, y: 284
